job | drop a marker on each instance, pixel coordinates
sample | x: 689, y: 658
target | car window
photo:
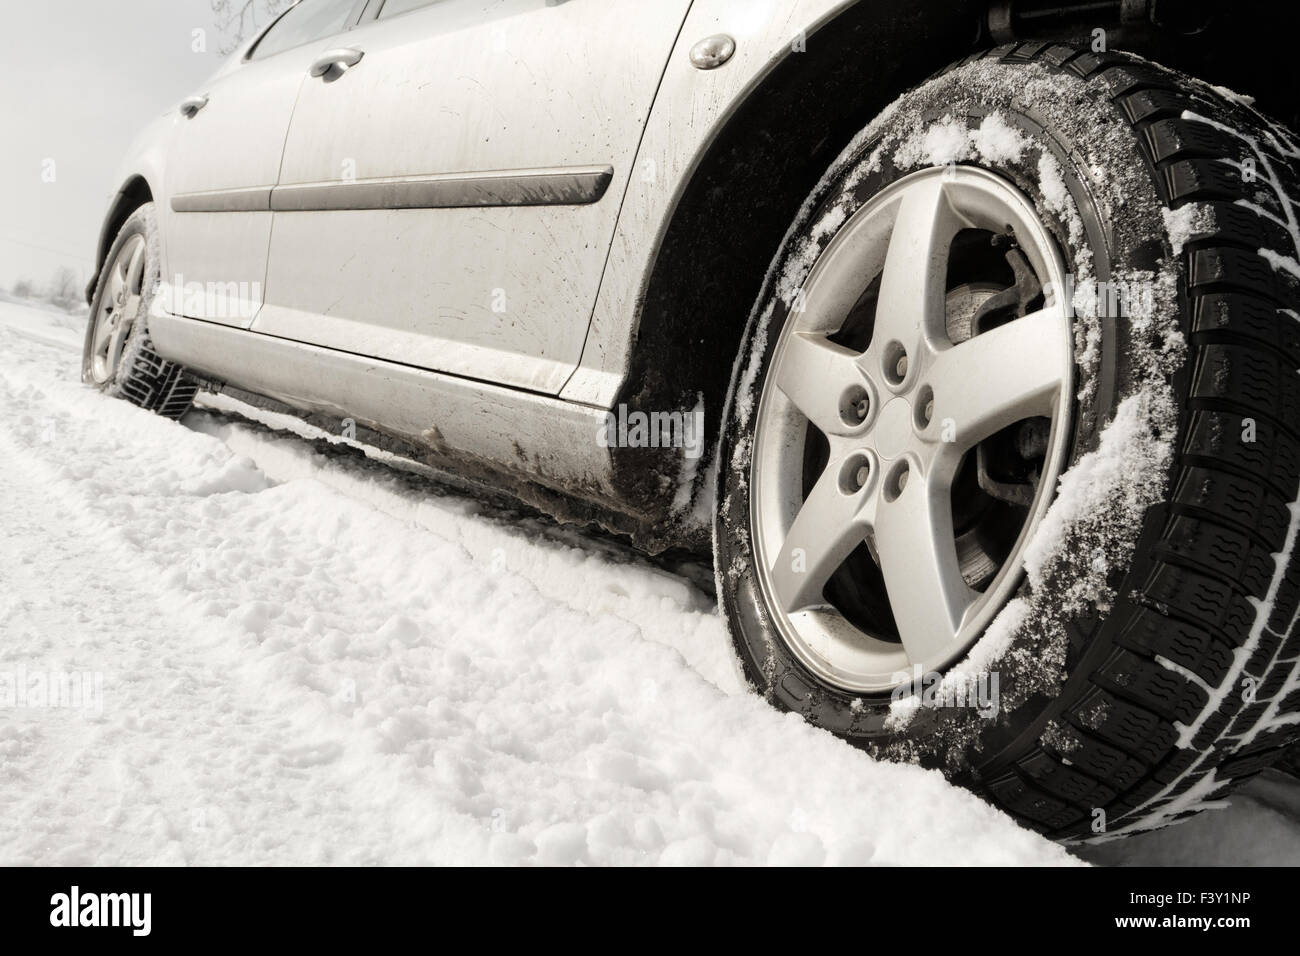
x: 393, y: 8
x: 308, y: 20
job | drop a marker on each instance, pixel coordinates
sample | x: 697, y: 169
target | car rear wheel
x: 1011, y: 459
x: 117, y: 357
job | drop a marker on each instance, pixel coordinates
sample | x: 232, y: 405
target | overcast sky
x: 80, y: 79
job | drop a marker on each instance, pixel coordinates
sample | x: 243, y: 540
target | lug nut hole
x: 896, y: 364
x: 924, y: 407
x: 897, y: 481
x: 855, y: 406
x: 855, y: 474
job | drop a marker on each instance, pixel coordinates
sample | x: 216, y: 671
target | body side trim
x: 564, y: 186
x: 255, y: 199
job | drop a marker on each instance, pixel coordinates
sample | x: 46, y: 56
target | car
x: 962, y: 336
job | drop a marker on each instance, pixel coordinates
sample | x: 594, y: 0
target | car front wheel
x: 1011, y: 459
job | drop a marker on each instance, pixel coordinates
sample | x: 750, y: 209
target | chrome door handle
x: 190, y: 107
x: 336, y: 58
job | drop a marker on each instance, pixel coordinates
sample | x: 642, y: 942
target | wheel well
x: 133, y: 194
x: 732, y: 217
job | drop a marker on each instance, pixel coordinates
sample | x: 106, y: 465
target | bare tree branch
x: 237, y: 20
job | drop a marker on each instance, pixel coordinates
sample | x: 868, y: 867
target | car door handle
x: 190, y: 107
x: 336, y: 58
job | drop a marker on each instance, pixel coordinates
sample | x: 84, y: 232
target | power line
x: 58, y: 252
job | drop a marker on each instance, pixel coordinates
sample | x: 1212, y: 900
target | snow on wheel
x: 1010, y: 471
x: 117, y: 357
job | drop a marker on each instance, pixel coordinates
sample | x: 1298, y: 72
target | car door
x: 224, y: 161
x: 448, y: 201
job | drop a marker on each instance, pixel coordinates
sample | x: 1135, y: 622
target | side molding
x: 566, y: 186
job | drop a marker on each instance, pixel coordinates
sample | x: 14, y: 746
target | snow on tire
x: 1142, y: 657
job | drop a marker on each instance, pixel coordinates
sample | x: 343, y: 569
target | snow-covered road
x: 298, y: 655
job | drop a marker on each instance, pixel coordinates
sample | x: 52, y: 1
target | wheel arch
x: 714, y: 252
x: 133, y: 194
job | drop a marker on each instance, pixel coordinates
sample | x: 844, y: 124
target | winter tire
x: 1010, y: 465
x: 118, y: 357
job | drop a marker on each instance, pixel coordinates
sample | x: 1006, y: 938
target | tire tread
x: 1118, y: 744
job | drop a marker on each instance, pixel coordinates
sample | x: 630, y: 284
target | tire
x: 1289, y: 761
x: 117, y: 357
x: 1131, y: 580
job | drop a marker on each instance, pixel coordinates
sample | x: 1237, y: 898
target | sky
x: 80, y: 79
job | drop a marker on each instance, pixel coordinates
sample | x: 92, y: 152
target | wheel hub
x: 893, y: 431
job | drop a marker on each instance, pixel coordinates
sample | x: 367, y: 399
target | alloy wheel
x: 119, y: 307
x: 912, y: 425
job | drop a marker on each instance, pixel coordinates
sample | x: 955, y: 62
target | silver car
x: 980, y: 389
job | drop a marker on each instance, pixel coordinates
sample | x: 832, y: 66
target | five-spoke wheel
x: 119, y: 307
x: 890, y: 378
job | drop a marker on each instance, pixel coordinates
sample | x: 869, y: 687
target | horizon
x: 98, y: 73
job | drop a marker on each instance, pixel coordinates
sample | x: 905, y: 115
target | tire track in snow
x: 295, y: 675
x: 563, y: 565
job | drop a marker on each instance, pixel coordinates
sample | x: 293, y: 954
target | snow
x: 1112, y: 478
x: 940, y: 144
x: 998, y: 141
x: 1052, y: 182
x: 307, y: 656
x: 1233, y: 96
x: 949, y: 141
x: 310, y: 657
x: 1185, y: 223
x: 1281, y: 263
x: 692, y: 504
